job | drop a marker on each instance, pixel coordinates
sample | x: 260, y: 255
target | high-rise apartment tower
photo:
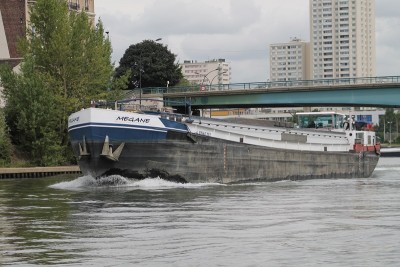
x: 342, y: 34
x: 289, y: 61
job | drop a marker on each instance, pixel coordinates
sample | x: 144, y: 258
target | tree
x: 387, y: 123
x: 5, y: 143
x: 66, y: 63
x: 185, y: 82
x: 32, y: 115
x: 76, y: 55
x: 151, y: 65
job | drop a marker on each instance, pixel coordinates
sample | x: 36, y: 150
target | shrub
x: 5, y: 143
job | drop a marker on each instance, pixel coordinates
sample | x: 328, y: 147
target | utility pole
x: 390, y: 133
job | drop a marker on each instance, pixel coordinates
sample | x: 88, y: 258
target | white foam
x: 158, y: 183
x: 79, y: 182
x: 122, y: 182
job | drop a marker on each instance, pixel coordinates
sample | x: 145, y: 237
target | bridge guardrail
x: 272, y: 85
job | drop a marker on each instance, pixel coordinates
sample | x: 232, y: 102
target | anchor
x: 107, y: 151
x: 83, y: 152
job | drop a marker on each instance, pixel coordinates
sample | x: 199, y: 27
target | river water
x: 73, y: 221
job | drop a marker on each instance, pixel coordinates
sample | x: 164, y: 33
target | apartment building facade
x: 74, y: 5
x: 289, y: 61
x: 12, y: 27
x: 14, y: 20
x: 211, y: 72
x: 342, y: 38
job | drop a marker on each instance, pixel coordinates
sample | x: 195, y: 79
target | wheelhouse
x: 317, y: 120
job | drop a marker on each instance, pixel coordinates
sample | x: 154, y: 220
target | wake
x: 117, y: 181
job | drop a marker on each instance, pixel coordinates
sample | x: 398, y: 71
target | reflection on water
x: 115, y: 221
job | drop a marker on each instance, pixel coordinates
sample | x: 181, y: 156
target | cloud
x: 176, y: 17
x: 239, y: 31
x: 387, y: 37
x: 387, y: 43
x: 387, y: 8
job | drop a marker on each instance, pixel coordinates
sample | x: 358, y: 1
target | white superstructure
x: 317, y: 131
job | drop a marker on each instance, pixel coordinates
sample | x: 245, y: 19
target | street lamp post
x: 205, y: 76
x: 215, y: 77
x: 140, y: 81
x: 390, y: 133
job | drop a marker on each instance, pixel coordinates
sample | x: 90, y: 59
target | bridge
x: 372, y: 91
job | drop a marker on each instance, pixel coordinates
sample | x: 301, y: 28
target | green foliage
x: 115, y: 92
x: 390, y: 116
x: 5, y: 142
x: 390, y: 121
x: 69, y: 49
x: 32, y: 111
x: 67, y: 63
x: 184, y: 82
x: 151, y: 65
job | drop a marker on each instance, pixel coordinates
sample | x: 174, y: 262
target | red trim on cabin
x: 362, y: 148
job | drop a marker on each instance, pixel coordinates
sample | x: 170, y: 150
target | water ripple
x: 120, y: 222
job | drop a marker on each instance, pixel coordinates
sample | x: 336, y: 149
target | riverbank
x: 34, y: 172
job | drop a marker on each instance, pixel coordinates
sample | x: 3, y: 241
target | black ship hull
x: 205, y: 159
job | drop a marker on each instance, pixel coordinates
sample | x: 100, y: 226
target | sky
x: 239, y: 31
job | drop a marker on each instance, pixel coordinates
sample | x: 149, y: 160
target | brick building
x: 14, y: 17
x: 12, y: 27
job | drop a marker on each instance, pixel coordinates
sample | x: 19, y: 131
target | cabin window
x: 359, y: 138
x: 321, y: 120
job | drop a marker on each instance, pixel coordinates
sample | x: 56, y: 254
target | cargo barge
x: 173, y: 147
